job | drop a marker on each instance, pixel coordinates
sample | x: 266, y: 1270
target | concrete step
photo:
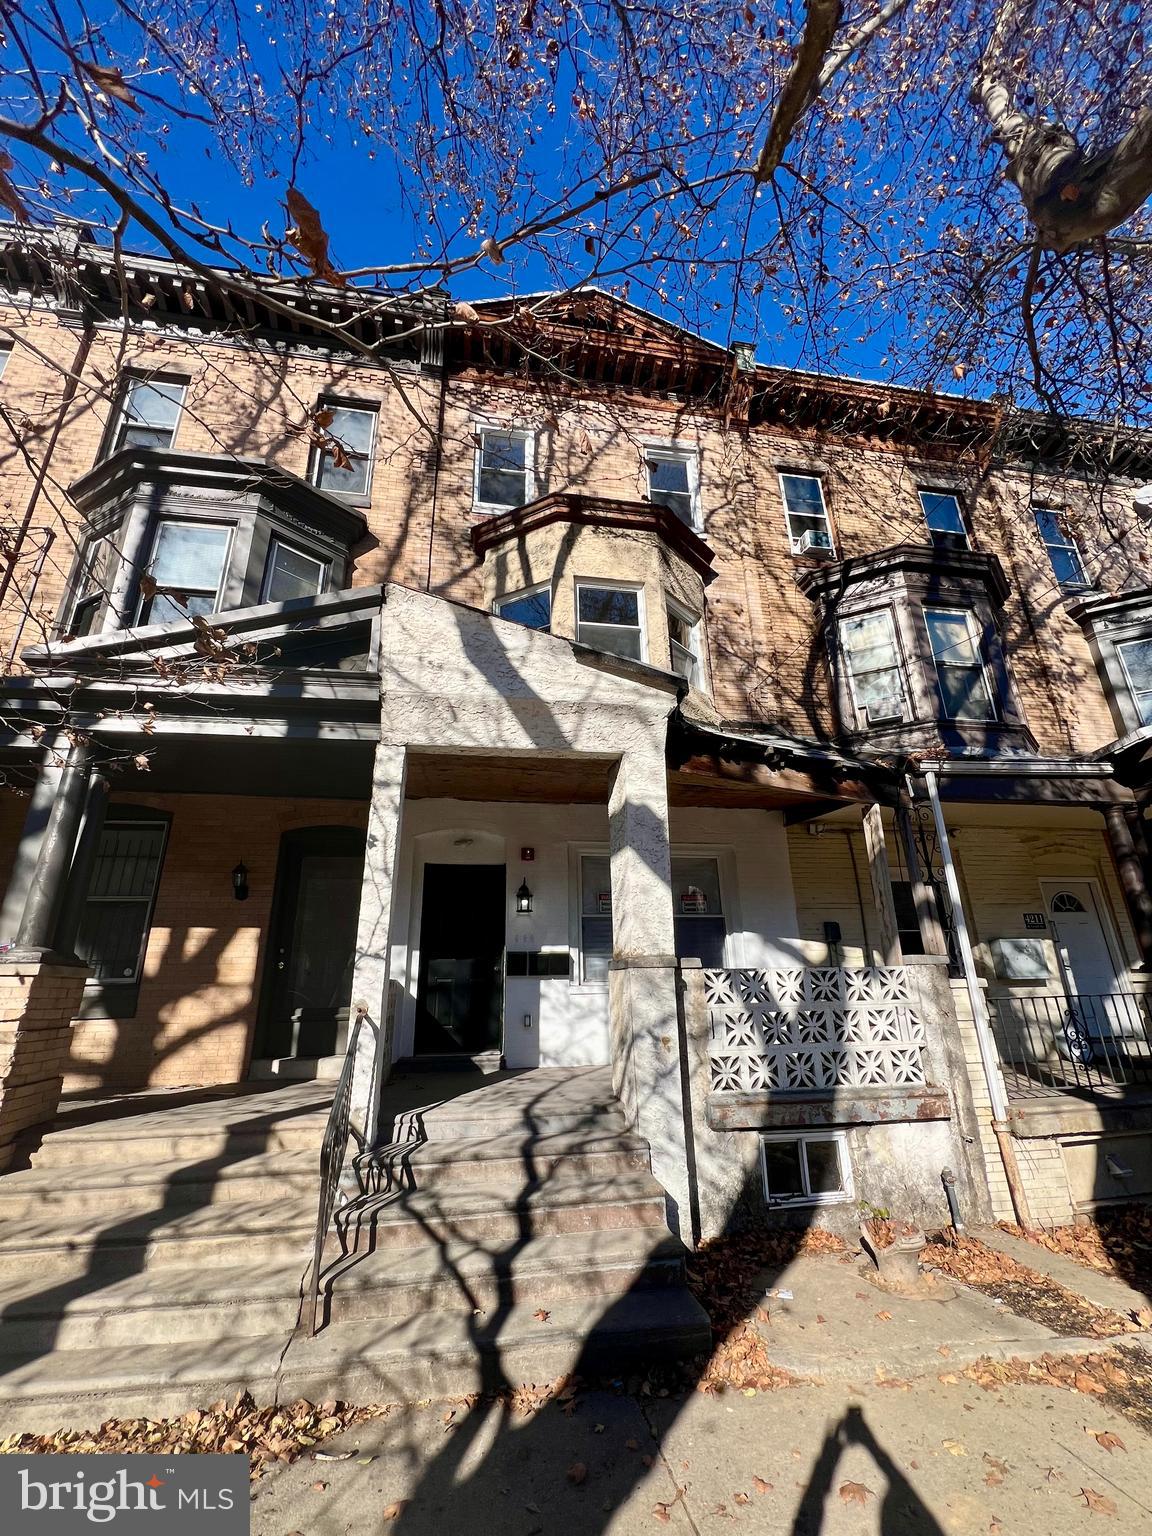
x: 210, y: 1144
x: 74, y: 1192
x: 631, y: 1199
x: 216, y: 1305
x: 547, y: 1101
x: 103, y: 1240
x: 512, y: 1160
x: 384, y: 1360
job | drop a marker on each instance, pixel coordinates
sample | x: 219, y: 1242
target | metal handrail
x: 332, y: 1153
x: 1079, y: 1041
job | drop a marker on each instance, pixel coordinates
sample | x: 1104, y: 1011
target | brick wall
x: 766, y: 663
x: 36, y: 1005
x: 199, y: 994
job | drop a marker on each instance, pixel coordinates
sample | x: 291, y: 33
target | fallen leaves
x: 997, y: 1470
x: 856, y: 1493
x: 1098, y: 1503
x: 663, y: 1511
x: 395, y: 1510
x: 955, y: 1447
x: 1109, y: 1441
x: 762, y: 1486
x: 883, y: 1317
x: 577, y: 1473
x: 541, y: 1315
x: 1024, y: 1291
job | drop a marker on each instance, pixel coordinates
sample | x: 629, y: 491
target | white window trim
x: 366, y: 408
x: 129, y: 379
x: 515, y: 597
x: 901, y: 661
x: 696, y: 627
x: 508, y: 429
x: 804, y: 474
x: 839, y: 1198
x: 225, y: 565
x: 577, y: 853
x: 677, y: 453
x: 1067, y: 542
x: 6, y: 350
x: 605, y: 585
x: 976, y: 636
x: 1121, y: 647
x: 945, y: 490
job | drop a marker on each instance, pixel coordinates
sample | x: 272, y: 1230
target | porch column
x: 1124, y: 837
x: 40, y: 803
x: 46, y: 889
x: 647, y: 1063
x: 372, y: 1000
x: 80, y: 874
x: 880, y: 873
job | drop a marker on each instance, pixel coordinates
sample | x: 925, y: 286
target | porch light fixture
x: 240, y: 882
x: 523, y: 898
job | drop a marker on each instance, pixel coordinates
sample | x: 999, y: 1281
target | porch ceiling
x: 528, y: 777
x: 716, y: 781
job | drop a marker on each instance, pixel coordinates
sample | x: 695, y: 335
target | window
x: 805, y: 1170
x: 149, y: 411
x: 503, y: 467
x: 5, y: 354
x: 533, y: 608
x: 92, y: 588
x: 808, y: 526
x: 595, y: 918
x: 698, y: 913
x: 873, y: 662
x: 1136, y: 659
x: 347, y: 467
x: 684, y: 644
x: 1066, y: 901
x: 291, y: 573
x: 186, y: 568
x: 960, y: 672
x: 673, y: 482
x: 114, y: 924
x: 945, y: 519
x: 609, y: 619
x: 1067, y: 566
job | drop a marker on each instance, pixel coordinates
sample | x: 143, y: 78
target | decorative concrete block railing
x: 808, y: 1030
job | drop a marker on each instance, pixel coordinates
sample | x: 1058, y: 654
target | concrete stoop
x: 154, y: 1262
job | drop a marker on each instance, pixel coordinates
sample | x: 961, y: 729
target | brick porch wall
x: 37, y: 1000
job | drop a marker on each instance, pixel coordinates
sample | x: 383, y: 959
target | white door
x: 1080, y: 929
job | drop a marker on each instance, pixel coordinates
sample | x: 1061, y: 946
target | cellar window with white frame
x: 807, y: 1169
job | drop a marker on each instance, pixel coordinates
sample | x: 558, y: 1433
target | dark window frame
x: 106, y: 998
x: 946, y: 538
x: 118, y: 425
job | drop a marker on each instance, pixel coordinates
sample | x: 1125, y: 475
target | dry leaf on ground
x: 1109, y: 1441
x: 577, y: 1473
x: 856, y: 1493
x: 1098, y: 1503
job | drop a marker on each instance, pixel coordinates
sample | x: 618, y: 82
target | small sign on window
x: 693, y: 900
x: 604, y: 902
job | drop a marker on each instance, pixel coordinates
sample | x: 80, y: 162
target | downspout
x: 71, y: 384
x: 988, y: 1058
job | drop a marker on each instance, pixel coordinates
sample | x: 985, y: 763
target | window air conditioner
x: 816, y: 543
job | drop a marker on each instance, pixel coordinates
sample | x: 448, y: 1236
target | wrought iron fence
x: 333, y: 1151
x: 814, y: 1029
x: 1062, y: 1044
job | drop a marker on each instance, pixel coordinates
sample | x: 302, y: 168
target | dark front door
x: 316, y: 906
x: 460, y: 997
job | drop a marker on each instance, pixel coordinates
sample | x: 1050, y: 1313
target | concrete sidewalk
x: 928, y: 1460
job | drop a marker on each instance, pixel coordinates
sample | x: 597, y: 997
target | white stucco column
x: 371, y: 990
x: 647, y: 1064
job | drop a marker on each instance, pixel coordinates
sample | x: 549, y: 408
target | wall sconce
x: 240, y: 882
x: 523, y: 898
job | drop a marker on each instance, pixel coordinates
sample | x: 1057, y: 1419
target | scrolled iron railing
x: 333, y: 1151
x: 1069, y: 1043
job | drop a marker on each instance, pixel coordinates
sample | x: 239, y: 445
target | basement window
x: 806, y: 1170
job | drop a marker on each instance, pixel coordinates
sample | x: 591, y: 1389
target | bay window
x: 684, y: 644
x: 289, y: 573
x: 960, y: 672
x: 532, y: 608
x: 872, y: 658
x: 1136, y: 659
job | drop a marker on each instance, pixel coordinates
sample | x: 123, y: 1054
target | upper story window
x: 1067, y: 566
x: 92, y: 587
x: 503, y: 468
x: 289, y: 573
x: 674, y: 482
x: 1136, y: 659
x: 346, y: 467
x: 960, y: 671
x: 809, y: 530
x: 610, y: 619
x: 872, y: 657
x: 944, y: 518
x: 185, y: 571
x: 149, y: 413
x: 684, y: 643
x: 532, y: 608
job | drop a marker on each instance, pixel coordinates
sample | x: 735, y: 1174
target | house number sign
x: 1035, y: 920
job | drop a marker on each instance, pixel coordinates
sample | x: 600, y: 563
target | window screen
x: 114, y: 924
